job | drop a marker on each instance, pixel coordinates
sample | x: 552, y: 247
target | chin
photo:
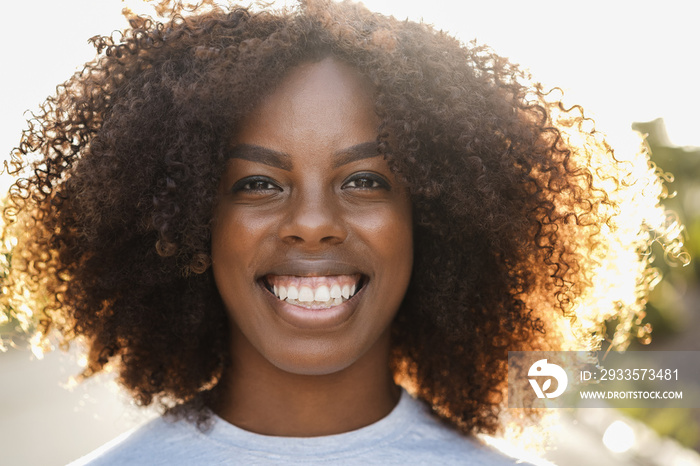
x: 313, y: 357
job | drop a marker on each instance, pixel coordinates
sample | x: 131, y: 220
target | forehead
x: 326, y: 102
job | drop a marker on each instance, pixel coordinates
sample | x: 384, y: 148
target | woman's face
x: 312, y: 242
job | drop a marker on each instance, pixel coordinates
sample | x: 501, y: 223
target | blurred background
x: 633, y: 65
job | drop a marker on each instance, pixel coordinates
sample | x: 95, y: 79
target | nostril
x: 320, y: 225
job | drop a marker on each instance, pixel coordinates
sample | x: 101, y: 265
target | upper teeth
x: 323, y: 293
x: 307, y: 295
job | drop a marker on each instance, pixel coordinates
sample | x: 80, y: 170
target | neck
x: 264, y: 399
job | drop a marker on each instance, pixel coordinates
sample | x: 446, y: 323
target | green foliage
x: 675, y: 423
x: 669, y: 310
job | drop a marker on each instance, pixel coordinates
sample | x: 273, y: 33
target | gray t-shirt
x: 410, y: 434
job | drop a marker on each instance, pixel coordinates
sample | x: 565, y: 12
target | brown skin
x: 118, y: 176
x: 321, y: 203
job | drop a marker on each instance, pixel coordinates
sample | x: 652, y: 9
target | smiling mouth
x: 316, y: 292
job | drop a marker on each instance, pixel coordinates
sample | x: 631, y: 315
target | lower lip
x: 314, y: 319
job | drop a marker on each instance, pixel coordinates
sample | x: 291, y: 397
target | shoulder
x: 159, y: 441
x: 430, y: 440
x: 409, y: 435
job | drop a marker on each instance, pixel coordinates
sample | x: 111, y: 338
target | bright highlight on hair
x: 530, y: 232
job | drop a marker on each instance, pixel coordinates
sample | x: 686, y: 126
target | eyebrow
x: 283, y: 161
x: 261, y: 154
x: 364, y: 150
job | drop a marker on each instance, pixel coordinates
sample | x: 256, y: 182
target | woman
x: 277, y: 225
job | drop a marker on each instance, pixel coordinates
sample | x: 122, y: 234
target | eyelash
x: 245, y: 184
x: 377, y: 181
x: 242, y: 185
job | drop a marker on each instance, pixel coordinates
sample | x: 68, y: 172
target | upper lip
x: 313, y: 268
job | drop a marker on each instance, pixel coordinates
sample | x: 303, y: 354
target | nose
x: 313, y: 220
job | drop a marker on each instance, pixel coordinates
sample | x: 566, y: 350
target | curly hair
x: 521, y: 210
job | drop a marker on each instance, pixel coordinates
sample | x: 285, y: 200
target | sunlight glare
x: 619, y: 437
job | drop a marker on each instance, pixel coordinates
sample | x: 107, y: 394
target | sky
x: 624, y: 61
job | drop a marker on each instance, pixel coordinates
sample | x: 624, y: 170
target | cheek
x: 233, y: 244
x: 389, y: 233
x: 237, y: 235
x: 226, y: 238
x: 397, y: 229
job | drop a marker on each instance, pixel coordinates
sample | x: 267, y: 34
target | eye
x: 255, y: 184
x: 366, y: 181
